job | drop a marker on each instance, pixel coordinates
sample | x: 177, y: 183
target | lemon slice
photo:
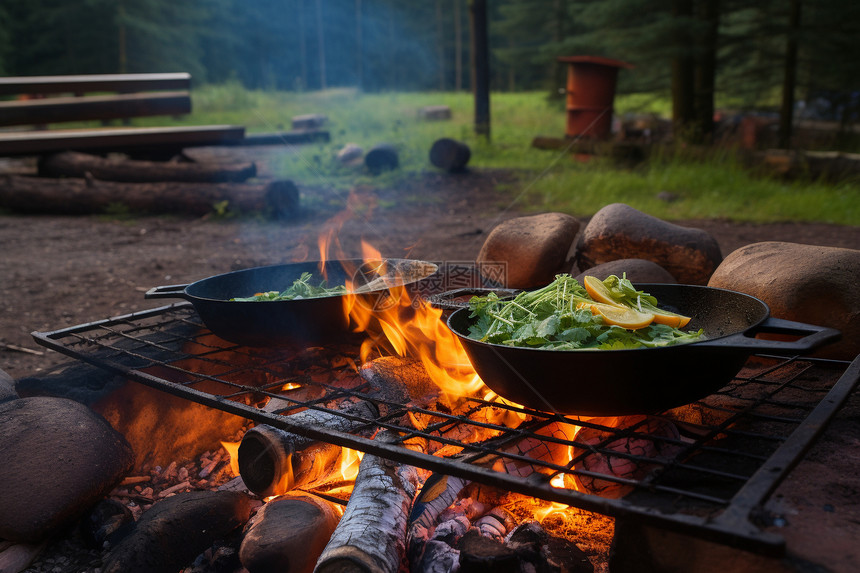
x: 598, y: 291
x: 670, y: 318
x: 626, y: 317
x: 622, y: 316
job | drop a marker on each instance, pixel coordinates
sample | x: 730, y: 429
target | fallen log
x: 450, y: 154
x: 76, y: 164
x: 380, y: 158
x: 371, y: 535
x: 278, y: 198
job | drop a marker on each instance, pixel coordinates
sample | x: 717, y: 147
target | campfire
x: 387, y: 442
x: 375, y: 444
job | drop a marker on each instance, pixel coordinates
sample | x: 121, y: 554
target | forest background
x: 770, y: 56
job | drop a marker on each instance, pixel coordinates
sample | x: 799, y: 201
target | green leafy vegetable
x: 548, y: 318
x: 301, y: 288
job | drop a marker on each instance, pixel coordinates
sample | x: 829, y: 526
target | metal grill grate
x: 706, y: 468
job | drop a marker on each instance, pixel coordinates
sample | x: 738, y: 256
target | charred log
x: 536, y: 548
x: 173, y: 532
x: 76, y: 164
x: 371, y: 535
x: 273, y: 461
x: 87, y: 196
x: 479, y: 553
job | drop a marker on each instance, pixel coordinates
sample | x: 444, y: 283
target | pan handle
x: 812, y: 336
x: 167, y: 291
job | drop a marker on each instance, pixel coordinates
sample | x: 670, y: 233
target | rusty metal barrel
x: 591, y: 84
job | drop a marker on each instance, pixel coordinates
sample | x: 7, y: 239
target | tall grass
x: 670, y: 186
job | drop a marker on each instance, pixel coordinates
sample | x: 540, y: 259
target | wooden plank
x: 63, y: 109
x: 122, y: 83
x: 118, y: 139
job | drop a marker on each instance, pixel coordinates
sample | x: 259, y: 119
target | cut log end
x: 282, y: 197
x: 348, y: 559
x: 450, y: 154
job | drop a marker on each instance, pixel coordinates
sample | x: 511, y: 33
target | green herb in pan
x: 301, y: 288
x: 563, y: 316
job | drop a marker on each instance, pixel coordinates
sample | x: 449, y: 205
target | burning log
x: 496, y: 523
x: 288, y: 534
x: 371, y: 535
x: 86, y: 196
x: 439, y: 553
x: 75, y: 164
x: 437, y: 494
x: 273, y: 461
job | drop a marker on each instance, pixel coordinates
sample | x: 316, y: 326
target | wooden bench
x: 43, y: 100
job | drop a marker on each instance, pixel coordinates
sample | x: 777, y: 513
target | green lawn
x: 551, y: 180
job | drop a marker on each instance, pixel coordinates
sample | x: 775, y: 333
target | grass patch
x: 719, y: 187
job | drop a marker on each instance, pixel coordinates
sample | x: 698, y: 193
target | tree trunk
x: 481, y: 66
x: 705, y: 71
x: 321, y: 44
x: 76, y: 164
x: 359, y: 47
x: 440, y: 44
x: 86, y: 196
x: 682, y: 72
x: 786, y: 110
x: 458, y: 47
x: 303, y: 43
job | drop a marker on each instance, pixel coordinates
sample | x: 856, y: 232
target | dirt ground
x: 59, y: 271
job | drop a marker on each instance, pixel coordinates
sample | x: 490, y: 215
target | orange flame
x: 232, y: 449
x: 411, y: 327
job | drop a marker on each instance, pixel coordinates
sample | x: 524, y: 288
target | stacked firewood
x: 78, y: 183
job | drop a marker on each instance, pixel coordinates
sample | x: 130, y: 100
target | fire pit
x: 706, y: 468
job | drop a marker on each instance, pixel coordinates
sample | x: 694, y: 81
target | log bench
x: 40, y: 101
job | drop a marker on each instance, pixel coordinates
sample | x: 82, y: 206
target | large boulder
x: 619, y: 231
x: 531, y: 250
x: 59, y: 459
x: 805, y: 283
x: 637, y: 270
x: 7, y: 388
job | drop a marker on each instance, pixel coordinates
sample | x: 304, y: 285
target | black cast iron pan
x: 273, y: 323
x: 643, y: 380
